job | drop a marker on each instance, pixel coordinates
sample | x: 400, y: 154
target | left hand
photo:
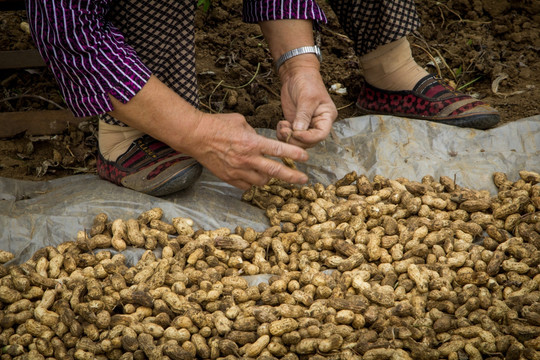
x: 309, y: 111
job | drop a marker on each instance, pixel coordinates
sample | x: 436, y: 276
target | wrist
x: 297, y: 52
x: 301, y: 63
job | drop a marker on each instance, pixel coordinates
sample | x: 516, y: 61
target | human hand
x: 309, y: 111
x: 223, y: 143
x: 231, y: 149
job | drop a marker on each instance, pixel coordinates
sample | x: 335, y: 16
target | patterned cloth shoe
x: 430, y: 99
x: 151, y: 167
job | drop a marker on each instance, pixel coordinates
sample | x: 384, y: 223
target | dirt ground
x: 488, y: 48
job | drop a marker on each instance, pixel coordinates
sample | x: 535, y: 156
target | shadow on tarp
x: 41, y: 213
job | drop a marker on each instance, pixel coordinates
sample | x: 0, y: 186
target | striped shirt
x: 90, y: 58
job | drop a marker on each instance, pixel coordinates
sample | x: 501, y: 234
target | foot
x: 431, y: 99
x: 151, y: 167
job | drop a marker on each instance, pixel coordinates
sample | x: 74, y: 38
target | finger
x: 303, y: 139
x: 280, y: 149
x: 322, y: 125
x: 308, y: 138
x: 278, y: 170
x: 246, y: 176
x: 302, y: 120
x: 284, y: 130
x: 240, y: 184
x: 252, y: 177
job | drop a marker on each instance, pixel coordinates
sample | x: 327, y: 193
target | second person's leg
x: 394, y: 83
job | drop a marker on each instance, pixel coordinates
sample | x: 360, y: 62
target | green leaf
x: 469, y: 83
x: 204, y: 3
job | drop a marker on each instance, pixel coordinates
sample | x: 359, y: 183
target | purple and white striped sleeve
x: 87, y: 54
x: 264, y: 10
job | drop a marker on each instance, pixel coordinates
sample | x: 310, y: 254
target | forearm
x: 160, y: 112
x: 223, y: 143
x: 278, y: 34
x: 307, y: 107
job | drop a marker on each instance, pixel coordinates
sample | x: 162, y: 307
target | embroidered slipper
x: 151, y: 167
x: 431, y: 99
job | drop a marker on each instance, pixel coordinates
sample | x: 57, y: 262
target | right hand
x: 231, y: 149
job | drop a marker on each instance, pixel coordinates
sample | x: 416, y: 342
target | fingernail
x: 299, y: 126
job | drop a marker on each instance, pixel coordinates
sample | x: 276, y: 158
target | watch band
x: 298, y: 51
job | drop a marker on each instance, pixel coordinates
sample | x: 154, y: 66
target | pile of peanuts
x: 360, y: 269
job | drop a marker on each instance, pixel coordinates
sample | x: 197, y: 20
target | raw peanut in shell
x: 103, y: 319
x: 530, y: 176
x: 136, y: 297
x: 352, y: 262
x: 435, y: 286
x: 176, y: 352
x: 146, y: 343
x: 222, y: 323
x: 255, y: 349
x: 149, y: 215
x: 279, y: 250
x: 355, y: 304
x: 13, y: 350
x: 476, y: 278
x: 346, y: 190
x: 364, y: 185
x: 348, y: 179
x: 162, y: 226
x: 277, y: 349
x: 19, y: 306
x: 134, y: 235
x: 99, y: 241
x: 334, y: 342
x: 308, y: 193
x: 183, y: 226
x: 241, y: 337
x: 280, y: 327
x: 119, y: 238
x: 46, y: 317
x: 474, y: 205
x: 503, y: 211
x: 451, y: 347
x: 5, y: 256
x: 154, y: 236
x: 345, y: 248
x: 19, y: 280
x: 99, y: 224
x: 203, y: 350
x: 529, y: 234
x: 8, y: 295
x: 231, y: 242
x: 393, y: 354
x: 307, y: 346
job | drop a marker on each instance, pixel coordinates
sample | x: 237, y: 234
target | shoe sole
x: 181, y: 181
x: 480, y: 121
x: 167, y: 182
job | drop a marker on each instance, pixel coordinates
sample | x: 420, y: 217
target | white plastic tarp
x: 36, y: 214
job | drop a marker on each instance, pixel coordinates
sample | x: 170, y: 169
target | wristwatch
x: 298, y: 51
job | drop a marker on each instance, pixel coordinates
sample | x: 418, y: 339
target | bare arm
x: 224, y: 143
x: 309, y: 111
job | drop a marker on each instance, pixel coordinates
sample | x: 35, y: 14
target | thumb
x: 302, y: 119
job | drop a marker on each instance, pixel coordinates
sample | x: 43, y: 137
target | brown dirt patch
x: 480, y: 45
